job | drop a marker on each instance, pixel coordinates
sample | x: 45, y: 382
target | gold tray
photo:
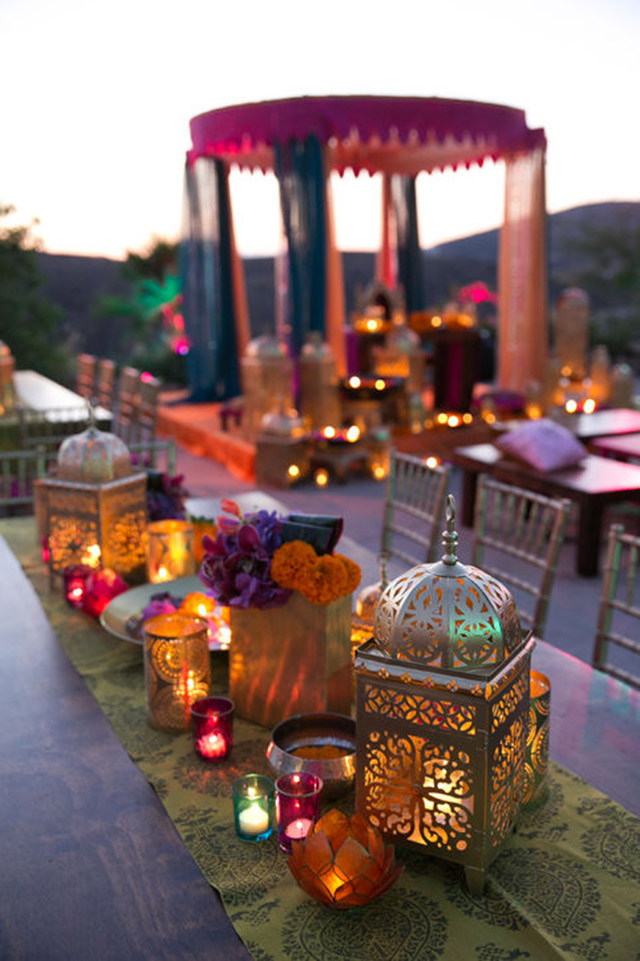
x: 118, y: 611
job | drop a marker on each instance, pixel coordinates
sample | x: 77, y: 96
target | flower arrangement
x: 258, y: 560
x: 165, y: 496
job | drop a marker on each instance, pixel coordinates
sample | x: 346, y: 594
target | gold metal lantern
x: 93, y: 509
x: 267, y: 380
x: 319, y: 395
x: 442, y: 694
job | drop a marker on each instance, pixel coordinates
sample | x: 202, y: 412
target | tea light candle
x: 75, y: 584
x: 253, y: 820
x: 297, y: 806
x: 298, y: 829
x: 253, y: 797
x: 212, y: 722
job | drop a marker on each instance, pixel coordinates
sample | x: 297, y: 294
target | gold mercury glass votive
x: 170, y: 550
x: 537, y: 753
x: 176, y: 668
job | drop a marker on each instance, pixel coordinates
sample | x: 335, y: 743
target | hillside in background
x: 77, y: 284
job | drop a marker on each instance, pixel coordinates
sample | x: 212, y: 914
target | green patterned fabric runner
x: 566, y: 885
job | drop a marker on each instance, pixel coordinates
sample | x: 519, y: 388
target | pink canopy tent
x: 399, y: 137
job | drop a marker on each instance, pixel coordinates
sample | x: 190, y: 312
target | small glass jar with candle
x: 212, y: 723
x: 75, y: 584
x: 297, y: 806
x: 253, y: 806
x: 177, y: 671
x: 170, y: 551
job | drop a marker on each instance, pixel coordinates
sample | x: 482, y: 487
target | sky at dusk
x: 97, y: 100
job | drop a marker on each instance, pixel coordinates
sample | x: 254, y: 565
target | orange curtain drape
x: 523, y: 333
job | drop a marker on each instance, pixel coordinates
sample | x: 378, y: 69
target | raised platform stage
x: 198, y: 427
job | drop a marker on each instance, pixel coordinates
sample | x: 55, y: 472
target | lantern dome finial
x: 449, y: 536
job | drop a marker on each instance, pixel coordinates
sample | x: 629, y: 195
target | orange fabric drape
x: 386, y: 268
x: 522, y: 275
x: 335, y: 305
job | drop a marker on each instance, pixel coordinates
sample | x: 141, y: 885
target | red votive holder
x: 75, y: 584
x: 212, y: 725
x: 297, y: 806
x: 102, y: 586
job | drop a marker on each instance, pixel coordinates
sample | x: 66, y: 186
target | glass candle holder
x: 537, y: 753
x: 177, y: 671
x: 212, y: 724
x: 297, y: 806
x: 169, y: 551
x: 75, y: 584
x: 253, y: 807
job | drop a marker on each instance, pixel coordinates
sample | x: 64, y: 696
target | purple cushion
x: 543, y: 445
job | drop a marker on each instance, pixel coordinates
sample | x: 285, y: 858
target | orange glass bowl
x: 343, y: 862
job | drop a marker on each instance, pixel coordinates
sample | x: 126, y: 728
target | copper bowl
x: 320, y: 744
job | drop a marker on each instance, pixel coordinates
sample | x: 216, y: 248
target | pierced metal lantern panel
x: 97, y: 524
x: 448, y: 615
x: 93, y: 457
x: 442, y: 700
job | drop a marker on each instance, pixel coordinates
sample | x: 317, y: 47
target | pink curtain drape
x: 335, y: 305
x: 522, y: 274
x: 238, y: 285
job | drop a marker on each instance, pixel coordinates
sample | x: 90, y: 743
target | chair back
x: 414, y: 509
x: 154, y: 455
x: 85, y: 375
x: 146, y: 414
x: 46, y: 429
x: 126, y: 403
x: 105, y: 382
x: 18, y: 471
x: 517, y: 538
x: 617, y: 640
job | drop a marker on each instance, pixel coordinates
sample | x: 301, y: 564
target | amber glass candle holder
x: 212, y: 724
x: 170, y: 551
x: 297, y: 806
x: 176, y: 668
x: 253, y: 806
x: 343, y: 862
x: 537, y: 754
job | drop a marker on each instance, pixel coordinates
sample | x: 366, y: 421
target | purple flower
x: 237, y: 562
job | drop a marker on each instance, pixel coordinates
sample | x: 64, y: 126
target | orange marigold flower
x: 290, y: 563
x: 325, y: 582
x: 354, y: 574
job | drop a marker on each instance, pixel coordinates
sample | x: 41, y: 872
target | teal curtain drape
x: 207, y: 284
x: 300, y: 171
x: 410, y: 268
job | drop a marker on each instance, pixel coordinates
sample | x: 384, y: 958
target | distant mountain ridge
x: 77, y: 283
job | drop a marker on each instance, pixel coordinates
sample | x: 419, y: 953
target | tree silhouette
x: 29, y: 323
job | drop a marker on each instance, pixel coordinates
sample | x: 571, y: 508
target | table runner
x: 567, y: 884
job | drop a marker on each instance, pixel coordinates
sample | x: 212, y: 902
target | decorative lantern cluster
x: 93, y: 509
x: 319, y: 397
x: 267, y: 380
x: 442, y: 692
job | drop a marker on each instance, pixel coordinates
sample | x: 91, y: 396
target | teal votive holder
x: 253, y: 806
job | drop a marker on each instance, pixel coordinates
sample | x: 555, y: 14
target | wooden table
x: 594, y: 484
x: 618, y: 420
x: 621, y: 446
x: 36, y: 392
x: 92, y: 865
